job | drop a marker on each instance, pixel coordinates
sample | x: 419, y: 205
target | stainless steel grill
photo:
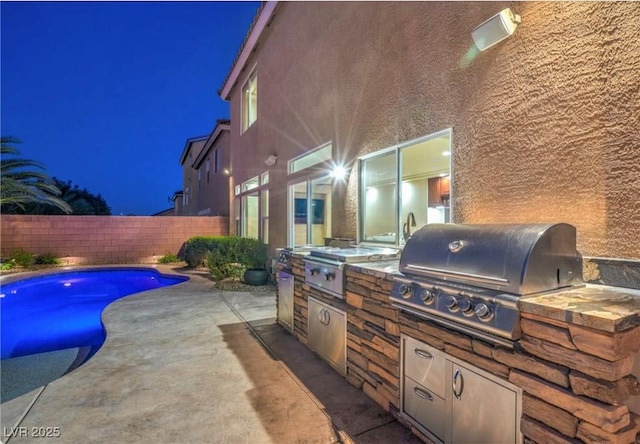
x: 324, y: 266
x: 470, y: 277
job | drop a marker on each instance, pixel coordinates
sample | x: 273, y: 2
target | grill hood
x: 513, y: 258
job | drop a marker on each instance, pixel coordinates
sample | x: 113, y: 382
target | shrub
x: 196, y: 248
x: 230, y: 256
x: 21, y: 258
x: 168, y: 258
x: 7, y: 265
x: 47, y: 259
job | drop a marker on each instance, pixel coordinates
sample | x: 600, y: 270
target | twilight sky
x: 105, y: 94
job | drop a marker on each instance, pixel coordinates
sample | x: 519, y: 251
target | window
x: 217, y: 160
x: 250, y: 101
x: 199, y: 177
x: 207, y: 170
x: 250, y: 184
x: 310, y: 211
x: 252, y: 209
x: 311, y: 158
x: 264, y: 208
x: 422, y: 169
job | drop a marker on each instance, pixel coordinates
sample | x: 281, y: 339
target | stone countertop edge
x: 601, y: 307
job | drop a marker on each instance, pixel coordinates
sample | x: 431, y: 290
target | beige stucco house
x: 353, y: 119
x: 540, y: 127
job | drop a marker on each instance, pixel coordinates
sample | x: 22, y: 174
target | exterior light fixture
x: 496, y: 29
x: 339, y: 172
x: 226, y: 171
x: 271, y: 160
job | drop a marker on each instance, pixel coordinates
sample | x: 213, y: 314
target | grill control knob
x: 465, y: 306
x: 330, y: 276
x: 427, y: 296
x: 314, y: 271
x: 451, y: 302
x: 405, y: 291
x: 483, y: 312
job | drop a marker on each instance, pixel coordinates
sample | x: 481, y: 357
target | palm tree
x: 20, y: 186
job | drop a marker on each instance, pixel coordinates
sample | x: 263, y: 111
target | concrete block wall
x: 83, y: 240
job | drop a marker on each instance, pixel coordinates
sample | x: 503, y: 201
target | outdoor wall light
x: 226, y: 171
x: 496, y: 29
x: 339, y: 172
x: 271, y: 160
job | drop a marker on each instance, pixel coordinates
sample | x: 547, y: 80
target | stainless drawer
x: 425, y: 365
x: 425, y: 407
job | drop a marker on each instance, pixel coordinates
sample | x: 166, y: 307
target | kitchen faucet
x: 406, y: 228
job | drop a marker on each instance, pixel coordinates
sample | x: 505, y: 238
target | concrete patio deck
x: 192, y: 364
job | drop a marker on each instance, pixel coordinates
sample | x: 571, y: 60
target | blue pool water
x: 63, y: 310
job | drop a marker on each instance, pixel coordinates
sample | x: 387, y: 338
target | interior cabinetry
x: 327, y: 333
x: 439, y: 191
x: 452, y: 401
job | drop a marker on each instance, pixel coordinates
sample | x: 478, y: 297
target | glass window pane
x: 250, y: 102
x: 250, y: 184
x: 320, y: 216
x: 250, y: 216
x: 425, y: 192
x: 378, y: 176
x: 314, y: 157
x: 298, y: 213
x: 264, y: 205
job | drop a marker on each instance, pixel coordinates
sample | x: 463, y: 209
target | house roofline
x: 221, y: 125
x: 187, y: 147
x: 259, y: 24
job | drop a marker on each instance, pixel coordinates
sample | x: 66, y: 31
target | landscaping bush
x: 230, y: 256
x: 21, y: 258
x: 7, y: 264
x: 47, y: 259
x: 196, y: 249
x: 168, y: 258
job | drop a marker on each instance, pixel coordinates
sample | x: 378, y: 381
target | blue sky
x: 105, y: 94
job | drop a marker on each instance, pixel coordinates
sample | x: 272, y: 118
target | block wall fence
x: 85, y: 240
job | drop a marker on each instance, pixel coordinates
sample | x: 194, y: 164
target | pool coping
x: 161, y: 268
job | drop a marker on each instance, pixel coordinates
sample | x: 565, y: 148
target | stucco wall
x: 105, y: 239
x: 544, y: 125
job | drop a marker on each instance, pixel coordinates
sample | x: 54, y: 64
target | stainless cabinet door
x: 335, y: 340
x: 285, y: 300
x: 483, y: 411
x: 327, y: 334
x: 315, y: 333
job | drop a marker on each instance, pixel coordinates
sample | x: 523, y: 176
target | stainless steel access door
x: 483, y: 409
x: 327, y: 334
x: 285, y: 300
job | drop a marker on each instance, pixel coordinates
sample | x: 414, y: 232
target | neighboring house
x: 177, y: 203
x: 212, y: 172
x: 190, y: 179
x: 167, y: 212
x: 541, y: 127
x: 205, y: 172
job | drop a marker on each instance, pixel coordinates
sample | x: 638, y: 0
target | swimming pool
x: 63, y: 310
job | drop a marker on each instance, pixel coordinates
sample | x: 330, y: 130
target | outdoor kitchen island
x: 570, y: 377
